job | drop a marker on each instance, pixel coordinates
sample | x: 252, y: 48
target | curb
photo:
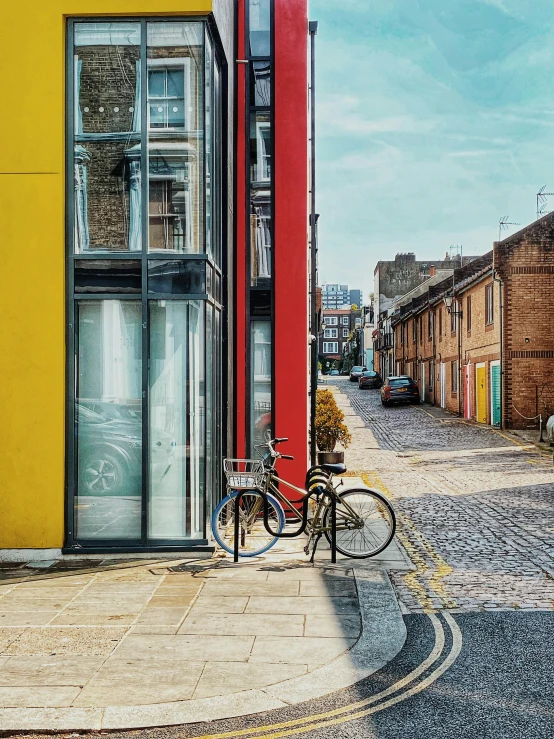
x: 383, y: 636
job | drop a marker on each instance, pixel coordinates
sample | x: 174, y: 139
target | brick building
x: 480, y: 342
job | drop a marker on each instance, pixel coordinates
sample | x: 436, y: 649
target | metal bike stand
x: 290, y: 534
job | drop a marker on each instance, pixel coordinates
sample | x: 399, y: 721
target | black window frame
x: 213, y: 297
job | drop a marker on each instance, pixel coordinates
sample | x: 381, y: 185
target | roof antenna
x: 542, y: 201
x: 503, y: 224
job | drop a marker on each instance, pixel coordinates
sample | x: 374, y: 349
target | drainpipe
x: 312, y: 28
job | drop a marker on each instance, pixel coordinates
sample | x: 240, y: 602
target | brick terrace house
x: 480, y: 343
x: 334, y: 336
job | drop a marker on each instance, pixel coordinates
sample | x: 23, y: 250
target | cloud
x: 340, y: 114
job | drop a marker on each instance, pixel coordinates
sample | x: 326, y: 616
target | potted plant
x: 329, y: 428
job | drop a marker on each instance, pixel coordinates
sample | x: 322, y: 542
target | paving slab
x: 250, y: 638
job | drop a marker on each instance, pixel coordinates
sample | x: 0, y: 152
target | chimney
x: 432, y: 271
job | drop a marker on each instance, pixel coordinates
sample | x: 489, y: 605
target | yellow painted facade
x: 32, y: 249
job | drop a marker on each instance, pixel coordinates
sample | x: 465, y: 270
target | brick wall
x: 525, y: 263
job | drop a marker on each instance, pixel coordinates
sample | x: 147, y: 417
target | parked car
x: 355, y: 372
x: 370, y: 379
x: 110, y: 454
x: 334, y: 372
x: 399, y: 389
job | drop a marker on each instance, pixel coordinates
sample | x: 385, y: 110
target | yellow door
x: 481, y: 392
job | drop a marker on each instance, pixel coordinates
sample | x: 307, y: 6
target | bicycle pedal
x: 306, y: 550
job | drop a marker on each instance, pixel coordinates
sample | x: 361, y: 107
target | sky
x: 434, y: 119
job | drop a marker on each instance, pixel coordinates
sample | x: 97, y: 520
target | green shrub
x: 329, y: 427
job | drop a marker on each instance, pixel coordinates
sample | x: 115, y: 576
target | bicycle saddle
x: 333, y: 469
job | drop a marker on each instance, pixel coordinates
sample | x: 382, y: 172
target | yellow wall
x: 32, y: 259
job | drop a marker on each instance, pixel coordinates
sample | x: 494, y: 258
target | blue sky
x: 434, y: 119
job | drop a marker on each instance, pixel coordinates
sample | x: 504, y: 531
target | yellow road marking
x: 319, y: 720
x: 412, y: 580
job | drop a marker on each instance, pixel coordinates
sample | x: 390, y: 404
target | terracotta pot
x: 330, y: 457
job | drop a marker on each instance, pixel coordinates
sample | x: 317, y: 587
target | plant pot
x: 330, y: 457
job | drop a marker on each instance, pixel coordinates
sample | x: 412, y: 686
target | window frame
x: 210, y: 487
x: 176, y: 63
x: 331, y: 333
x: 331, y: 321
x: 489, y: 304
x: 468, y: 314
x: 328, y: 344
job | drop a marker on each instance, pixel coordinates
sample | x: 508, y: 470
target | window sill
x: 489, y: 326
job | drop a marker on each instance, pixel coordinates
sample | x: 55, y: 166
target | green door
x: 495, y: 394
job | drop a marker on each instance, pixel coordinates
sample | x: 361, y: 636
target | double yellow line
x: 396, y: 693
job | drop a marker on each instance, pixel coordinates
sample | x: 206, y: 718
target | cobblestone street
x: 475, y: 508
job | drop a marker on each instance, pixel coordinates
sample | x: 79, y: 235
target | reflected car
x: 399, y: 389
x: 356, y: 372
x: 370, y: 379
x: 263, y: 428
x: 110, y: 454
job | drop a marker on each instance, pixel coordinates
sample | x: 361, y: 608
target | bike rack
x: 290, y: 534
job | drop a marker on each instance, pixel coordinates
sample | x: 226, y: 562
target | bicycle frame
x: 315, y: 525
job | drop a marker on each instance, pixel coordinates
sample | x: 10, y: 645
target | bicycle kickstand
x: 318, y: 537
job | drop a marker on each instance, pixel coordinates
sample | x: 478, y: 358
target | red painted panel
x: 241, y: 364
x: 291, y: 240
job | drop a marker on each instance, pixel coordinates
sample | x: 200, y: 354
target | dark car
x: 356, y: 371
x: 109, y: 453
x: 370, y: 379
x: 399, y: 389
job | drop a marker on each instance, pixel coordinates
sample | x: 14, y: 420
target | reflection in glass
x: 108, y: 419
x: 175, y: 122
x: 208, y: 138
x: 260, y: 362
x: 177, y: 420
x: 176, y: 277
x: 260, y: 84
x: 259, y: 20
x: 217, y: 202
x: 107, y: 126
x: 108, y: 276
x: 260, y: 147
x: 260, y: 236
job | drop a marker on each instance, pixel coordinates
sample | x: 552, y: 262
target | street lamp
x: 448, y: 301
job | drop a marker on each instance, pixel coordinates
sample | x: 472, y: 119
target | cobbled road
x: 475, y: 508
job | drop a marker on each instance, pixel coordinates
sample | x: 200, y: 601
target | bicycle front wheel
x: 254, y: 539
x: 379, y: 523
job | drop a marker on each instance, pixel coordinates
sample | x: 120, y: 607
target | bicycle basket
x: 243, y: 474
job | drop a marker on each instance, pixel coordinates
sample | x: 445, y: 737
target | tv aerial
x: 504, y: 224
x: 542, y: 201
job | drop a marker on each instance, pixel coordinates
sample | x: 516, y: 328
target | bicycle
x: 365, y: 520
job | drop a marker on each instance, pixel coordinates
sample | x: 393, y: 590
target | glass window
x: 108, y: 420
x: 489, y: 304
x: 260, y: 147
x: 260, y: 84
x: 209, y: 148
x: 177, y: 418
x: 176, y: 277
x: 108, y: 276
x: 260, y: 363
x: 175, y: 149
x: 259, y: 16
x: 106, y: 162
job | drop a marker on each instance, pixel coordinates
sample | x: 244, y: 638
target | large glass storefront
x: 144, y: 276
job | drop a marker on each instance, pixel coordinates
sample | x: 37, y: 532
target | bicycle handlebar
x: 286, y: 456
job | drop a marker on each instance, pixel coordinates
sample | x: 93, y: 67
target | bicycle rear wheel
x: 254, y: 539
x: 378, y: 518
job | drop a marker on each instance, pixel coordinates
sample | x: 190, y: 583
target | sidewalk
x: 137, y: 644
